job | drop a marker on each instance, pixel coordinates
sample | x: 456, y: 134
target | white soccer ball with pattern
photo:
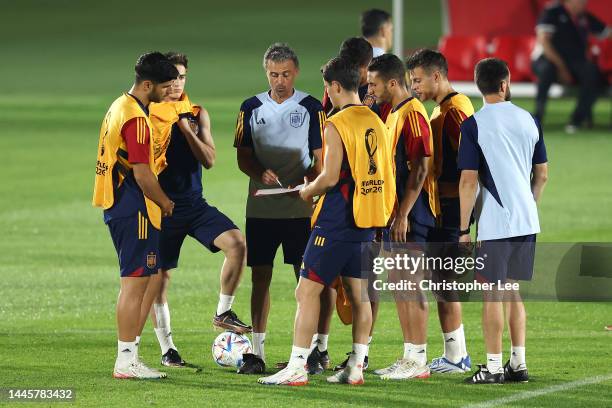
x: 228, y: 348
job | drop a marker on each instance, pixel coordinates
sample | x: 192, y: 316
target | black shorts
x: 506, y: 258
x: 198, y: 220
x: 137, y: 244
x: 265, y: 235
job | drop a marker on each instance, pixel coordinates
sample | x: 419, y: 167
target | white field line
x: 543, y: 391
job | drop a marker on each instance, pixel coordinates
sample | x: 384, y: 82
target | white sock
x: 369, y: 341
x: 358, y: 355
x: 298, y: 357
x: 164, y: 337
x: 322, y: 341
x: 163, y: 330
x: 494, y: 363
x: 225, y: 303
x: 137, y: 345
x: 454, y: 345
x: 517, y: 358
x: 126, y: 352
x: 258, y: 345
x: 162, y: 315
x: 313, y: 342
x: 416, y: 352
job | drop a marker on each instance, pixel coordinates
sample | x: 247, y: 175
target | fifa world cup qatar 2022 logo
x: 371, y: 145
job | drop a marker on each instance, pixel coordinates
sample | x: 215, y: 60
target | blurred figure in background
x: 377, y: 28
x: 561, y: 56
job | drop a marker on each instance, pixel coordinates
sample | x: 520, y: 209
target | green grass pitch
x: 64, y: 62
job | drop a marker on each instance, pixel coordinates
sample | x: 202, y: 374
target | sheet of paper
x: 275, y: 191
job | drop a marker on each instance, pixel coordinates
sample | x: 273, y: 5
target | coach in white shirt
x: 502, y: 147
x: 278, y: 143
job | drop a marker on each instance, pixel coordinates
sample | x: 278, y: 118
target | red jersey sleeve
x: 417, y: 136
x: 135, y: 132
x: 452, y: 126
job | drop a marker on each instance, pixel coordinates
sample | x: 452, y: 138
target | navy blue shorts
x: 419, y: 233
x: 444, y: 235
x: 265, y: 235
x: 325, y: 259
x: 199, y: 220
x: 506, y: 258
x: 137, y: 244
x: 450, y: 214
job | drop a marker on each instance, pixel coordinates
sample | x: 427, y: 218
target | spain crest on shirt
x: 295, y: 119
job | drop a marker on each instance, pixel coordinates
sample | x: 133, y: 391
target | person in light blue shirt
x: 502, y: 149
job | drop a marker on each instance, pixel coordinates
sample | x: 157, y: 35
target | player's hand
x: 269, y: 178
x: 465, y: 247
x: 305, y: 192
x: 565, y: 76
x: 465, y: 239
x: 167, y: 208
x: 399, y: 229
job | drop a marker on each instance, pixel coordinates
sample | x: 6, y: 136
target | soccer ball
x: 228, y: 348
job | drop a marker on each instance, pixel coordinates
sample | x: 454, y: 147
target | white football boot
x: 407, y: 369
x: 350, y: 375
x: 387, y: 370
x: 292, y: 376
x: 138, y: 370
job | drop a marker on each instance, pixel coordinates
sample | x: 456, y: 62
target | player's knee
x: 450, y: 308
x: 307, y: 291
x: 301, y: 293
x: 236, y: 245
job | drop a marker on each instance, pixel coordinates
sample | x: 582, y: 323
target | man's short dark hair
x: 280, y: 52
x: 428, y: 60
x: 372, y: 20
x: 342, y: 70
x: 489, y: 74
x: 358, y: 50
x: 154, y: 67
x: 389, y: 67
x: 177, y: 58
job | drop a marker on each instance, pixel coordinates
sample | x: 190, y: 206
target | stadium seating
x: 470, y: 35
x: 462, y: 52
x: 603, y: 55
x: 516, y: 51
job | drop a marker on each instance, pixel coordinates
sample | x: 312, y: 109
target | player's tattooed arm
x: 201, y: 144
